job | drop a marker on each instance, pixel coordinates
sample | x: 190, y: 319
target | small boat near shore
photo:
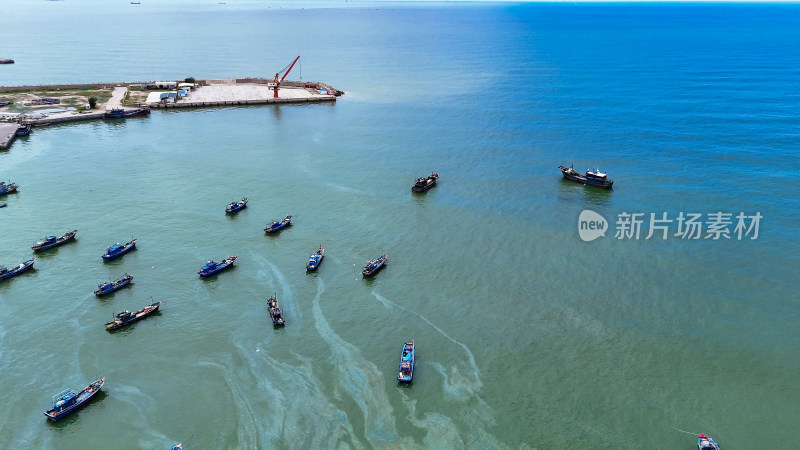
x: 275, y: 226
x: 590, y: 178
x: 121, y: 113
x: 126, y: 317
x: 406, y: 373
x: 422, y: 184
x: 24, y: 129
x: 69, y: 401
x: 213, y: 268
x: 52, y: 241
x: 118, y: 250
x: 111, y: 286
x: 314, y: 259
x: 23, y: 267
x: 374, y: 265
x: 235, y: 207
x: 275, y: 310
x: 706, y: 443
x: 7, y: 188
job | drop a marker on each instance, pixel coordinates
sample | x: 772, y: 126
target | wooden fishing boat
x: 126, y: 317
x: 52, y: 241
x: 706, y: 443
x: 235, y: 207
x: 69, y: 401
x: 111, y: 286
x: 8, y: 273
x: 406, y: 373
x: 315, y: 259
x: 422, y: 184
x: 374, y: 265
x: 275, y: 226
x: 118, y: 249
x: 275, y: 310
x: 212, y: 268
x: 7, y: 188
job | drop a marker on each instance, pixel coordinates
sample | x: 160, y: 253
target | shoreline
x: 130, y: 96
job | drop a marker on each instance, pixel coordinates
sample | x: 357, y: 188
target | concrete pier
x: 8, y: 131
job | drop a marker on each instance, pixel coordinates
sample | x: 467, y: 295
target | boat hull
x: 147, y: 312
x: 406, y: 372
x: 278, y: 226
x: 22, y: 268
x: 124, y: 282
x: 577, y: 178
x: 370, y: 270
x: 60, y: 241
x: 125, y: 249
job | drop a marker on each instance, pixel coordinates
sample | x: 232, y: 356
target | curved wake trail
x: 286, y: 298
x: 361, y: 379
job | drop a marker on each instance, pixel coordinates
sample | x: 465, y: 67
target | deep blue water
x: 527, y: 335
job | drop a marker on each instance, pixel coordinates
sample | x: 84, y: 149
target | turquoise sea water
x: 526, y: 335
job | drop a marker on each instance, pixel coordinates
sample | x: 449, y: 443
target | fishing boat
x: 111, y: 286
x: 24, y: 129
x: 235, y: 207
x: 315, y: 259
x: 275, y: 225
x: 706, y: 443
x: 7, y: 188
x: 373, y: 266
x: 52, y: 241
x: 8, y: 273
x: 3, y: 204
x: 212, y: 268
x: 176, y: 446
x: 422, y: 184
x: 275, y: 311
x: 69, y: 401
x: 118, y: 250
x: 127, y: 317
x: 120, y: 113
x: 591, y: 177
x: 406, y: 372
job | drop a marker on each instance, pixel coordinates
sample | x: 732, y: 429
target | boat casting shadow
x: 214, y: 277
x: 75, y: 415
x: 7, y: 282
x: 592, y: 194
x: 119, y: 258
x: 129, y: 328
x: 52, y: 252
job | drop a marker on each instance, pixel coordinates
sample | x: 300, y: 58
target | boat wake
x: 360, y: 378
x: 285, y: 293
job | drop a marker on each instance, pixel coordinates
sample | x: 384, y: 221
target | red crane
x: 275, y: 84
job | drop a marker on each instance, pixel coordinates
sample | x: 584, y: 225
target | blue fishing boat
x: 127, y: 317
x: 706, y: 443
x: 68, y: 401
x: 120, y: 113
x: 176, y: 446
x: 118, y: 249
x: 406, y: 372
x: 24, y: 129
x: 315, y: 259
x: 374, y: 265
x: 8, y: 273
x: 591, y: 178
x: 422, y: 184
x: 275, y: 310
x: 111, y: 286
x: 275, y: 225
x: 52, y: 241
x: 7, y: 188
x: 235, y: 207
x: 212, y: 268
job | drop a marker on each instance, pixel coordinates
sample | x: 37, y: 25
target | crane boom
x: 289, y: 69
x: 276, y: 83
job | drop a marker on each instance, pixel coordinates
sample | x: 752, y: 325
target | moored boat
x: 111, y: 286
x: 590, y: 178
x: 24, y: 129
x: 7, y: 188
x: 422, y: 184
x: 68, y: 400
x: 213, y: 268
x: 121, y: 113
x: 275, y: 226
x: 706, y: 443
x: 235, y: 207
x: 118, y: 249
x: 315, y: 259
x: 406, y: 372
x: 127, y: 317
x: 8, y: 273
x: 275, y: 310
x: 52, y: 241
x: 374, y: 265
